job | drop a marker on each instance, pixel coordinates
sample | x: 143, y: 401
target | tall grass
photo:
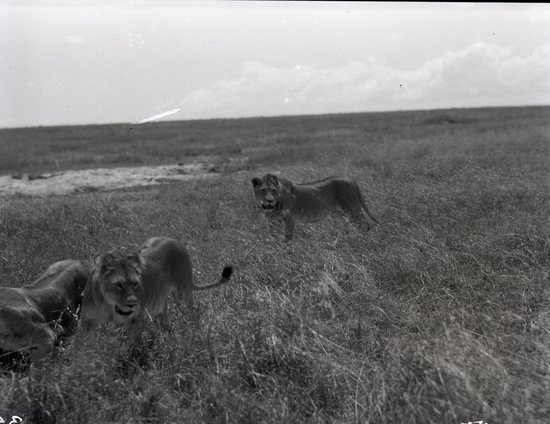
x: 438, y: 315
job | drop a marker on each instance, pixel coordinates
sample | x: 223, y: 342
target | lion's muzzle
x: 129, y: 308
x: 123, y: 312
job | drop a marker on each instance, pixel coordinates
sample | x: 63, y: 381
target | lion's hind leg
x: 354, y: 208
x: 355, y: 214
x: 183, y: 282
x: 163, y: 319
x: 360, y: 221
x: 185, y: 297
x: 24, y: 329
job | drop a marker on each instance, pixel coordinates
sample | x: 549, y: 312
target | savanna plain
x: 439, y: 315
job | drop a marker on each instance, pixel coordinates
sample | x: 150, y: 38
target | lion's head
x: 268, y: 191
x: 118, y: 278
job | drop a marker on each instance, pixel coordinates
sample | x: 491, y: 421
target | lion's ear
x: 105, y: 262
x: 272, y: 178
x: 255, y: 181
x: 136, y: 261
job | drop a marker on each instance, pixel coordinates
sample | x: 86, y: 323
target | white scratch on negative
x: 157, y: 116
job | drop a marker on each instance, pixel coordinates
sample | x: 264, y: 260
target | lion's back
x: 58, y: 287
x: 62, y: 275
x: 163, y: 253
x: 317, y: 199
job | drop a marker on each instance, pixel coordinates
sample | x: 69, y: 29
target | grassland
x: 440, y: 315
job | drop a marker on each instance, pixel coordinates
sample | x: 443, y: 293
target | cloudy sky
x: 82, y: 62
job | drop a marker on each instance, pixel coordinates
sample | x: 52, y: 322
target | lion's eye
x: 118, y: 286
x: 135, y: 285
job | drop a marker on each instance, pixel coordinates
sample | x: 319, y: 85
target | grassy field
x: 440, y: 315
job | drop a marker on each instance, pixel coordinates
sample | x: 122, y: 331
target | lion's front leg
x: 273, y: 225
x: 85, y: 326
x: 289, y: 227
x: 135, y: 331
x: 83, y: 330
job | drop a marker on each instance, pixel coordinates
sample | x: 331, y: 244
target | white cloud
x: 395, y: 36
x: 479, y: 75
x: 538, y: 13
x: 74, y: 39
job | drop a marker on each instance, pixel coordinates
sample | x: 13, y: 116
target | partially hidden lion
x: 128, y: 288
x: 37, y: 315
x: 282, y: 200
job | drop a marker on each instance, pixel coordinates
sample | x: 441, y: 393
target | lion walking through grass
x: 282, y: 200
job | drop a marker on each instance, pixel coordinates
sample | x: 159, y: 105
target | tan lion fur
x: 35, y: 315
x: 283, y: 200
x: 127, y: 288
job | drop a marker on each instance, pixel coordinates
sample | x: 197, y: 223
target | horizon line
x: 156, y: 122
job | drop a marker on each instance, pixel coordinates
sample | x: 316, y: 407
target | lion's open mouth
x: 121, y: 312
x: 269, y: 207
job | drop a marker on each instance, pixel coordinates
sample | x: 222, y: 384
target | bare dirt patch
x: 101, y: 179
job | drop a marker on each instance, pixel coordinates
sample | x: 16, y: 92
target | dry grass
x: 439, y: 315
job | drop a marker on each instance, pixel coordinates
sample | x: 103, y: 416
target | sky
x: 90, y: 62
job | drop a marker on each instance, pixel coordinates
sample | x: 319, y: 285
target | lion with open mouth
x: 282, y: 200
x: 127, y: 288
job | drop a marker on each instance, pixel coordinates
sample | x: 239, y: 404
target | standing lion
x: 283, y: 200
x: 127, y: 288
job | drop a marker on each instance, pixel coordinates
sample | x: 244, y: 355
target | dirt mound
x: 101, y: 179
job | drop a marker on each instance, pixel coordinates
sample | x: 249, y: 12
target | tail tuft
x: 227, y: 271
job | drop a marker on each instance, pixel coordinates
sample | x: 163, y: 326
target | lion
x: 127, y: 288
x: 282, y: 200
x: 36, y: 316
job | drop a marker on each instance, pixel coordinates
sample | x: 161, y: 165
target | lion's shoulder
x: 11, y: 297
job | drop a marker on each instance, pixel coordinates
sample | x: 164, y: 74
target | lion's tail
x: 364, y: 205
x: 226, y: 275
